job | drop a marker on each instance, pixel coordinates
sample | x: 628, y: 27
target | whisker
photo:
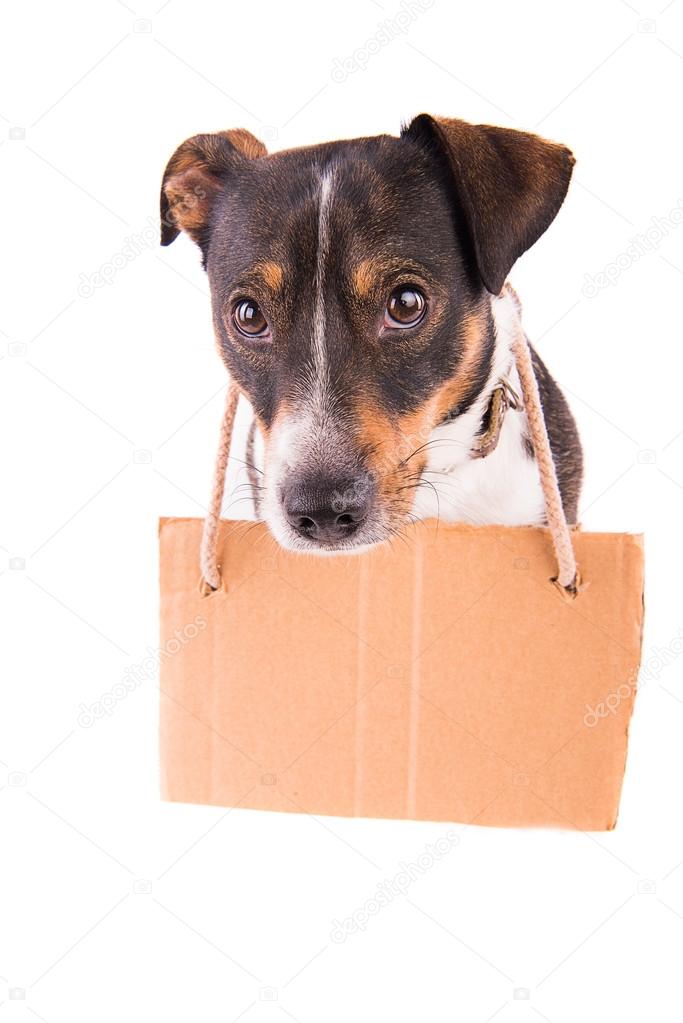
x: 239, y: 500
x: 246, y: 486
x: 249, y: 465
x: 433, y: 443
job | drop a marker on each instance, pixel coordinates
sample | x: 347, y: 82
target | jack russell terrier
x: 359, y: 302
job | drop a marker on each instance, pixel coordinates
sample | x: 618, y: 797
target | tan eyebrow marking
x: 369, y: 273
x: 271, y: 273
x: 364, y: 277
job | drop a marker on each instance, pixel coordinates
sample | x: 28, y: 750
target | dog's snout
x: 327, y: 510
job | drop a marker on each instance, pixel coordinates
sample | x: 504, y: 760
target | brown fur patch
x: 246, y: 143
x: 194, y: 177
x: 395, y: 446
x: 386, y: 449
x: 364, y: 277
x: 453, y: 391
x: 420, y: 423
x: 373, y: 273
x: 272, y: 273
x: 187, y: 194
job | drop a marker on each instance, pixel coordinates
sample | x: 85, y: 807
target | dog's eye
x: 405, y: 308
x: 249, y: 319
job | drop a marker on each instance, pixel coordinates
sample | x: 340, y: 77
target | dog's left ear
x: 509, y: 185
x: 195, y: 175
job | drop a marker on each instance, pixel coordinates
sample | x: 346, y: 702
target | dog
x: 359, y: 301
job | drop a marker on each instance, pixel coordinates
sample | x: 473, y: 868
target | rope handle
x: 208, y: 553
x: 567, y: 575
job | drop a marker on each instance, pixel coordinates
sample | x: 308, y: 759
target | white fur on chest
x: 504, y: 488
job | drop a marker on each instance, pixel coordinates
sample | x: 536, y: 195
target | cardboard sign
x: 444, y: 679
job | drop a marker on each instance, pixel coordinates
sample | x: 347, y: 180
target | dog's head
x: 350, y: 285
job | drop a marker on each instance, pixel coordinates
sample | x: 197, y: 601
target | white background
x: 238, y: 920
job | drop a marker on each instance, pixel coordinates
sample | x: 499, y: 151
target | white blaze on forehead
x: 305, y: 437
x: 319, y: 350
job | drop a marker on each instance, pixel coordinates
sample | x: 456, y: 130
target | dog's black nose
x: 327, y: 509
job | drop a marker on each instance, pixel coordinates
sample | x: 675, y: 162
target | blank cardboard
x: 445, y: 678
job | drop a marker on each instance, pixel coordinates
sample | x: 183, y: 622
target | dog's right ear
x: 195, y: 175
x: 509, y: 185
